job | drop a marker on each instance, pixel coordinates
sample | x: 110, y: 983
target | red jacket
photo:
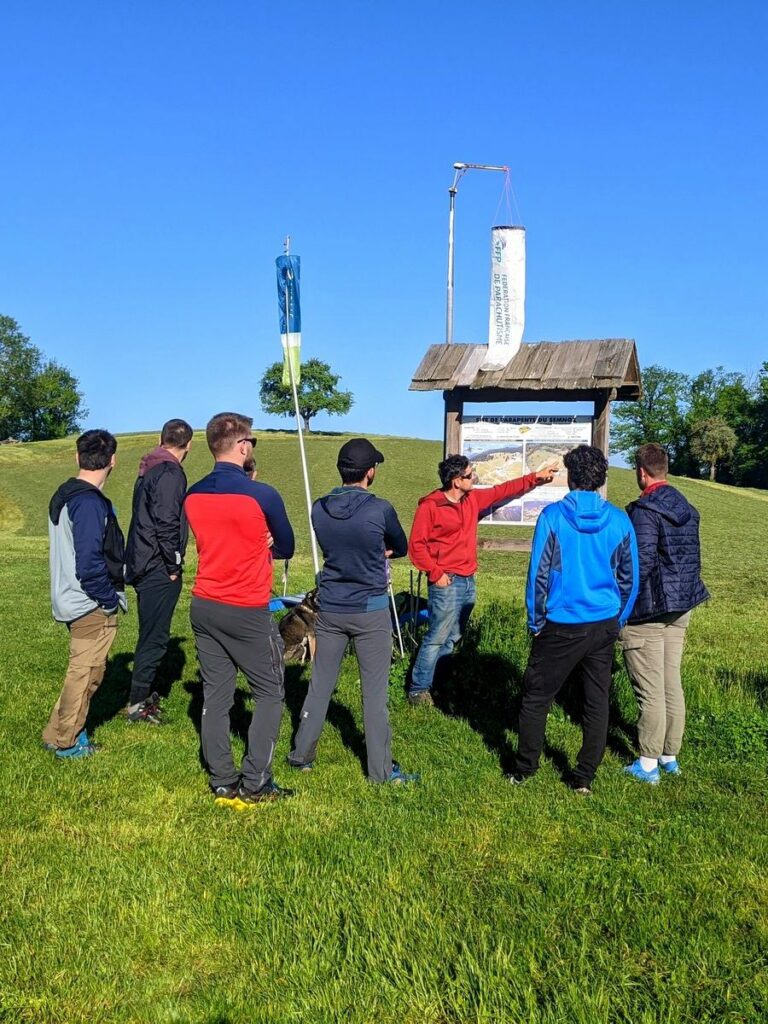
x: 444, y: 533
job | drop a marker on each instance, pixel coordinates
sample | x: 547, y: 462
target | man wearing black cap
x: 357, y: 533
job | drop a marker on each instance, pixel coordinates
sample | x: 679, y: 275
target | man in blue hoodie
x: 357, y: 532
x: 582, y: 584
x: 667, y: 528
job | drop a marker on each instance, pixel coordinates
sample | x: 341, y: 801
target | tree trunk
x: 712, y: 469
x: 306, y: 422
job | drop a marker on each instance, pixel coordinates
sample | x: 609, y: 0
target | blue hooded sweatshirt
x: 354, y: 529
x: 583, y: 563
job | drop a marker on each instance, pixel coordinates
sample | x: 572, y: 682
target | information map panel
x: 507, y: 447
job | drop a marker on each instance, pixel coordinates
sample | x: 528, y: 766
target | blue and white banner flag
x: 288, y: 277
x: 507, y: 315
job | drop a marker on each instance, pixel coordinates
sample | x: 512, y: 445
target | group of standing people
x: 589, y: 563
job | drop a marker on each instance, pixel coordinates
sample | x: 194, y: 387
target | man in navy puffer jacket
x: 667, y: 529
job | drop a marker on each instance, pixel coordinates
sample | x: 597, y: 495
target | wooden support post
x: 454, y: 407
x: 602, y: 423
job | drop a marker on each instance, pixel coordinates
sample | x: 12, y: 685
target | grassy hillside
x: 129, y: 897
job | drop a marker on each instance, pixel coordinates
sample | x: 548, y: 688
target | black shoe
x: 578, y: 786
x: 225, y: 794
x: 270, y: 791
x: 148, y: 712
x: 299, y: 766
x: 516, y: 779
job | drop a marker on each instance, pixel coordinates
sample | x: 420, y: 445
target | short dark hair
x: 95, y: 449
x: 587, y: 468
x: 353, y: 476
x: 176, y: 434
x: 225, y: 429
x: 653, y: 459
x: 450, y: 468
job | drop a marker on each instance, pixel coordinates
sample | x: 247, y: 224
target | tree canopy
x: 317, y: 392
x: 715, y: 421
x: 39, y: 398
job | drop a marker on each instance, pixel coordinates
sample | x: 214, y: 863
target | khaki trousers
x: 652, y: 653
x: 90, y: 639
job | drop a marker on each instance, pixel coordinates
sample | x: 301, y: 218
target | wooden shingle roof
x: 537, y: 366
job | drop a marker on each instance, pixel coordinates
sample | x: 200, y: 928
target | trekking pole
x: 394, y: 610
x: 418, y: 608
x: 410, y: 609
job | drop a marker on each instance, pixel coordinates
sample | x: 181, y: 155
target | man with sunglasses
x: 443, y: 544
x: 238, y: 524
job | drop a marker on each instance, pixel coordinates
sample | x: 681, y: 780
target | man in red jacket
x: 443, y: 544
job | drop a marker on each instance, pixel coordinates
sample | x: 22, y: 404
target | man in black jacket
x: 667, y: 528
x: 154, y: 557
x: 357, y: 532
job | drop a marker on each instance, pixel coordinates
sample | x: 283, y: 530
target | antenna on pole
x: 459, y: 171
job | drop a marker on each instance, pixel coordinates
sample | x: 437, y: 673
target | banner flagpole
x: 289, y: 361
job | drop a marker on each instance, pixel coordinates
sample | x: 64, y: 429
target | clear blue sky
x: 155, y: 155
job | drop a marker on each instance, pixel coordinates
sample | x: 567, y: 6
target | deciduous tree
x: 711, y: 440
x: 317, y: 392
x: 39, y: 398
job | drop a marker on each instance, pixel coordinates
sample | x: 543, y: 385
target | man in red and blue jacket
x: 238, y: 524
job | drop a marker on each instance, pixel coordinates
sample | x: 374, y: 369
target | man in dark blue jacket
x: 582, y: 583
x: 87, y: 587
x: 357, y: 532
x: 667, y: 528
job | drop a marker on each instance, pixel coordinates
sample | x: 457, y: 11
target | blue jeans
x: 449, y: 611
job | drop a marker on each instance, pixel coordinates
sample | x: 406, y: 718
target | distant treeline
x: 714, y: 424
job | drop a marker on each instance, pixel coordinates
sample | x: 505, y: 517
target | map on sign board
x: 504, y: 448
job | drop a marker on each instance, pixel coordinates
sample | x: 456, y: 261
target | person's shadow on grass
x: 112, y: 696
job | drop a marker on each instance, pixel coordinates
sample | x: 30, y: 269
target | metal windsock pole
x: 459, y: 171
x: 288, y: 269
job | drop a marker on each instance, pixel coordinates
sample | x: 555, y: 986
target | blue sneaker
x: 670, y: 767
x: 397, y: 777
x: 637, y: 771
x: 76, y: 751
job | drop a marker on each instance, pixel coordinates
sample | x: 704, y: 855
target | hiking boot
x: 270, y: 791
x: 637, y: 771
x: 397, y: 777
x: 148, y: 711
x: 300, y: 766
x: 224, y: 795
x: 421, y: 698
x: 670, y: 767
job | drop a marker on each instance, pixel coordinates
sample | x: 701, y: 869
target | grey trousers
x: 229, y: 638
x: 372, y: 634
x: 653, y: 652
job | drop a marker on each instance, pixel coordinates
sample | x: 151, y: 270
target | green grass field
x: 128, y: 896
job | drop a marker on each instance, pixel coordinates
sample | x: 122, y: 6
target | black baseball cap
x: 358, y: 454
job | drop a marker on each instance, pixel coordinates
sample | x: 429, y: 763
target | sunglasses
x: 252, y: 440
x: 467, y: 476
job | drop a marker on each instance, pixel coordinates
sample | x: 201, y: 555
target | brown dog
x: 297, y: 629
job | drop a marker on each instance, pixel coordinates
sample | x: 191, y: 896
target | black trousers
x: 157, y: 596
x: 557, y: 651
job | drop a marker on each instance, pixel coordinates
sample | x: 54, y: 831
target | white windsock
x: 507, y: 319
